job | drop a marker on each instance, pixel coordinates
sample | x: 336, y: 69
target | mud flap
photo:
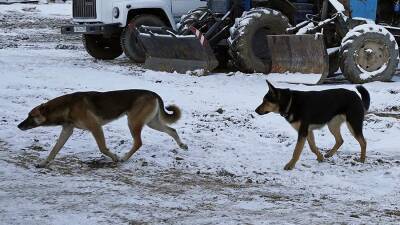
x: 298, y: 58
x: 181, y: 53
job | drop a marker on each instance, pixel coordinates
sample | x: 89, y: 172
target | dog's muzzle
x: 22, y: 127
x: 25, y: 125
x: 260, y: 112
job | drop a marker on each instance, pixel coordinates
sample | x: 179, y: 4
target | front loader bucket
x: 302, y: 58
x: 181, y: 53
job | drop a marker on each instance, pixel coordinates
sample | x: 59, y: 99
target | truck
x: 108, y: 26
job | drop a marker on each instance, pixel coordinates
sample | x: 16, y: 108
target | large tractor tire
x: 369, y: 53
x: 130, y: 42
x: 102, y: 48
x: 191, y: 18
x: 248, y: 42
x: 334, y: 63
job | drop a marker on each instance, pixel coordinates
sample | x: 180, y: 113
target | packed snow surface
x: 231, y: 174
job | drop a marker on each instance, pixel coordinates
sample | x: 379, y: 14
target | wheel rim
x: 372, y: 55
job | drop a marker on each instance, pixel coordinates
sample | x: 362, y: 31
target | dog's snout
x: 24, y: 125
x: 259, y: 110
x: 21, y: 126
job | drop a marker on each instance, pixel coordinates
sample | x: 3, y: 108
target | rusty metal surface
x: 299, y: 54
x: 177, y: 53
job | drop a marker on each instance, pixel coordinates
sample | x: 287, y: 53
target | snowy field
x: 231, y: 174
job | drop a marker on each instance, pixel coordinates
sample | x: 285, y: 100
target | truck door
x: 181, y: 7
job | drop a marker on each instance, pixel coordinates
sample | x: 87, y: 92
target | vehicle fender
x: 124, y: 8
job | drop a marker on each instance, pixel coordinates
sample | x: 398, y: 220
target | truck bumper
x: 91, y: 28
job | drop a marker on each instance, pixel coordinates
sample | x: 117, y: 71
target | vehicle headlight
x: 115, y: 12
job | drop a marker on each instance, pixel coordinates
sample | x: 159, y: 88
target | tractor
x: 280, y: 36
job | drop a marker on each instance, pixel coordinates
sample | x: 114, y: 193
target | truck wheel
x: 369, y: 53
x: 130, y: 43
x: 248, y: 43
x: 102, y: 48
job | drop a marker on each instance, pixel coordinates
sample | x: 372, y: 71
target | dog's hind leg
x: 136, y: 132
x: 145, y: 109
x: 334, y: 128
x: 66, y: 132
x: 356, y: 130
x: 355, y: 118
x: 313, y: 146
x: 156, y: 124
x: 363, y: 144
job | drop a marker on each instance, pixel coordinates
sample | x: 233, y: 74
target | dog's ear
x: 38, y: 110
x: 271, y: 88
x: 35, y: 111
x: 43, y: 109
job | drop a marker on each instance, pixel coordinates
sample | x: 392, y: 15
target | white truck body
x: 173, y: 10
x: 17, y: 1
x: 106, y: 25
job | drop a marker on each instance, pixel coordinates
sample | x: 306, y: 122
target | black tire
x: 102, y: 48
x: 334, y: 63
x: 369, y: 53
x: 130, y: 43
x: 191, y: 18
x: 248, y: 45
x: 222, y: 56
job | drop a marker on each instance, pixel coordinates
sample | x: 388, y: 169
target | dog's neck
x: 285, y: 113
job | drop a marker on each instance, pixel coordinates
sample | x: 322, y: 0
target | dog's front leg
x: 301, y: 140
x: 66, y: 132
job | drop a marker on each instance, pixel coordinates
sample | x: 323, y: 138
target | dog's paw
x: 42, y: 164
x: 289, y: 166
x: 115, y: 158
x: 183, y: 146
x: 361, y: 160
x: 320, y: 159
x: 329, y: 154
x: 125, y: 158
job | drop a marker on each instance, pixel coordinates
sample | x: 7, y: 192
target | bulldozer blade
x: 180, y: 53
x: 302, y: 58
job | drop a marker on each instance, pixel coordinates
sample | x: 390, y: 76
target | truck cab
x: 107, y: 26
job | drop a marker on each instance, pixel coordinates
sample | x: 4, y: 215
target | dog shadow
x: 100, y: 163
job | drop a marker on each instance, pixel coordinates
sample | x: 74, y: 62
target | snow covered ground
x: 231, y: 174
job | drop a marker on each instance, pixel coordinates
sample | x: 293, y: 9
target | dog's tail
x: 365, y: 98
x: 167, y: 117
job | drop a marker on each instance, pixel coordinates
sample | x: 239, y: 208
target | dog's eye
x: 269, y: 99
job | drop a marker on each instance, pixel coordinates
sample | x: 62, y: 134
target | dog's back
x: 113, y: 104
x: 318, y: 107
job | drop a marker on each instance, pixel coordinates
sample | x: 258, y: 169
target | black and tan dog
x: 91, y: 110
x: 309, y: 110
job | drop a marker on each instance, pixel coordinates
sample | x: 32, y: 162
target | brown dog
x: 91, y: 110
